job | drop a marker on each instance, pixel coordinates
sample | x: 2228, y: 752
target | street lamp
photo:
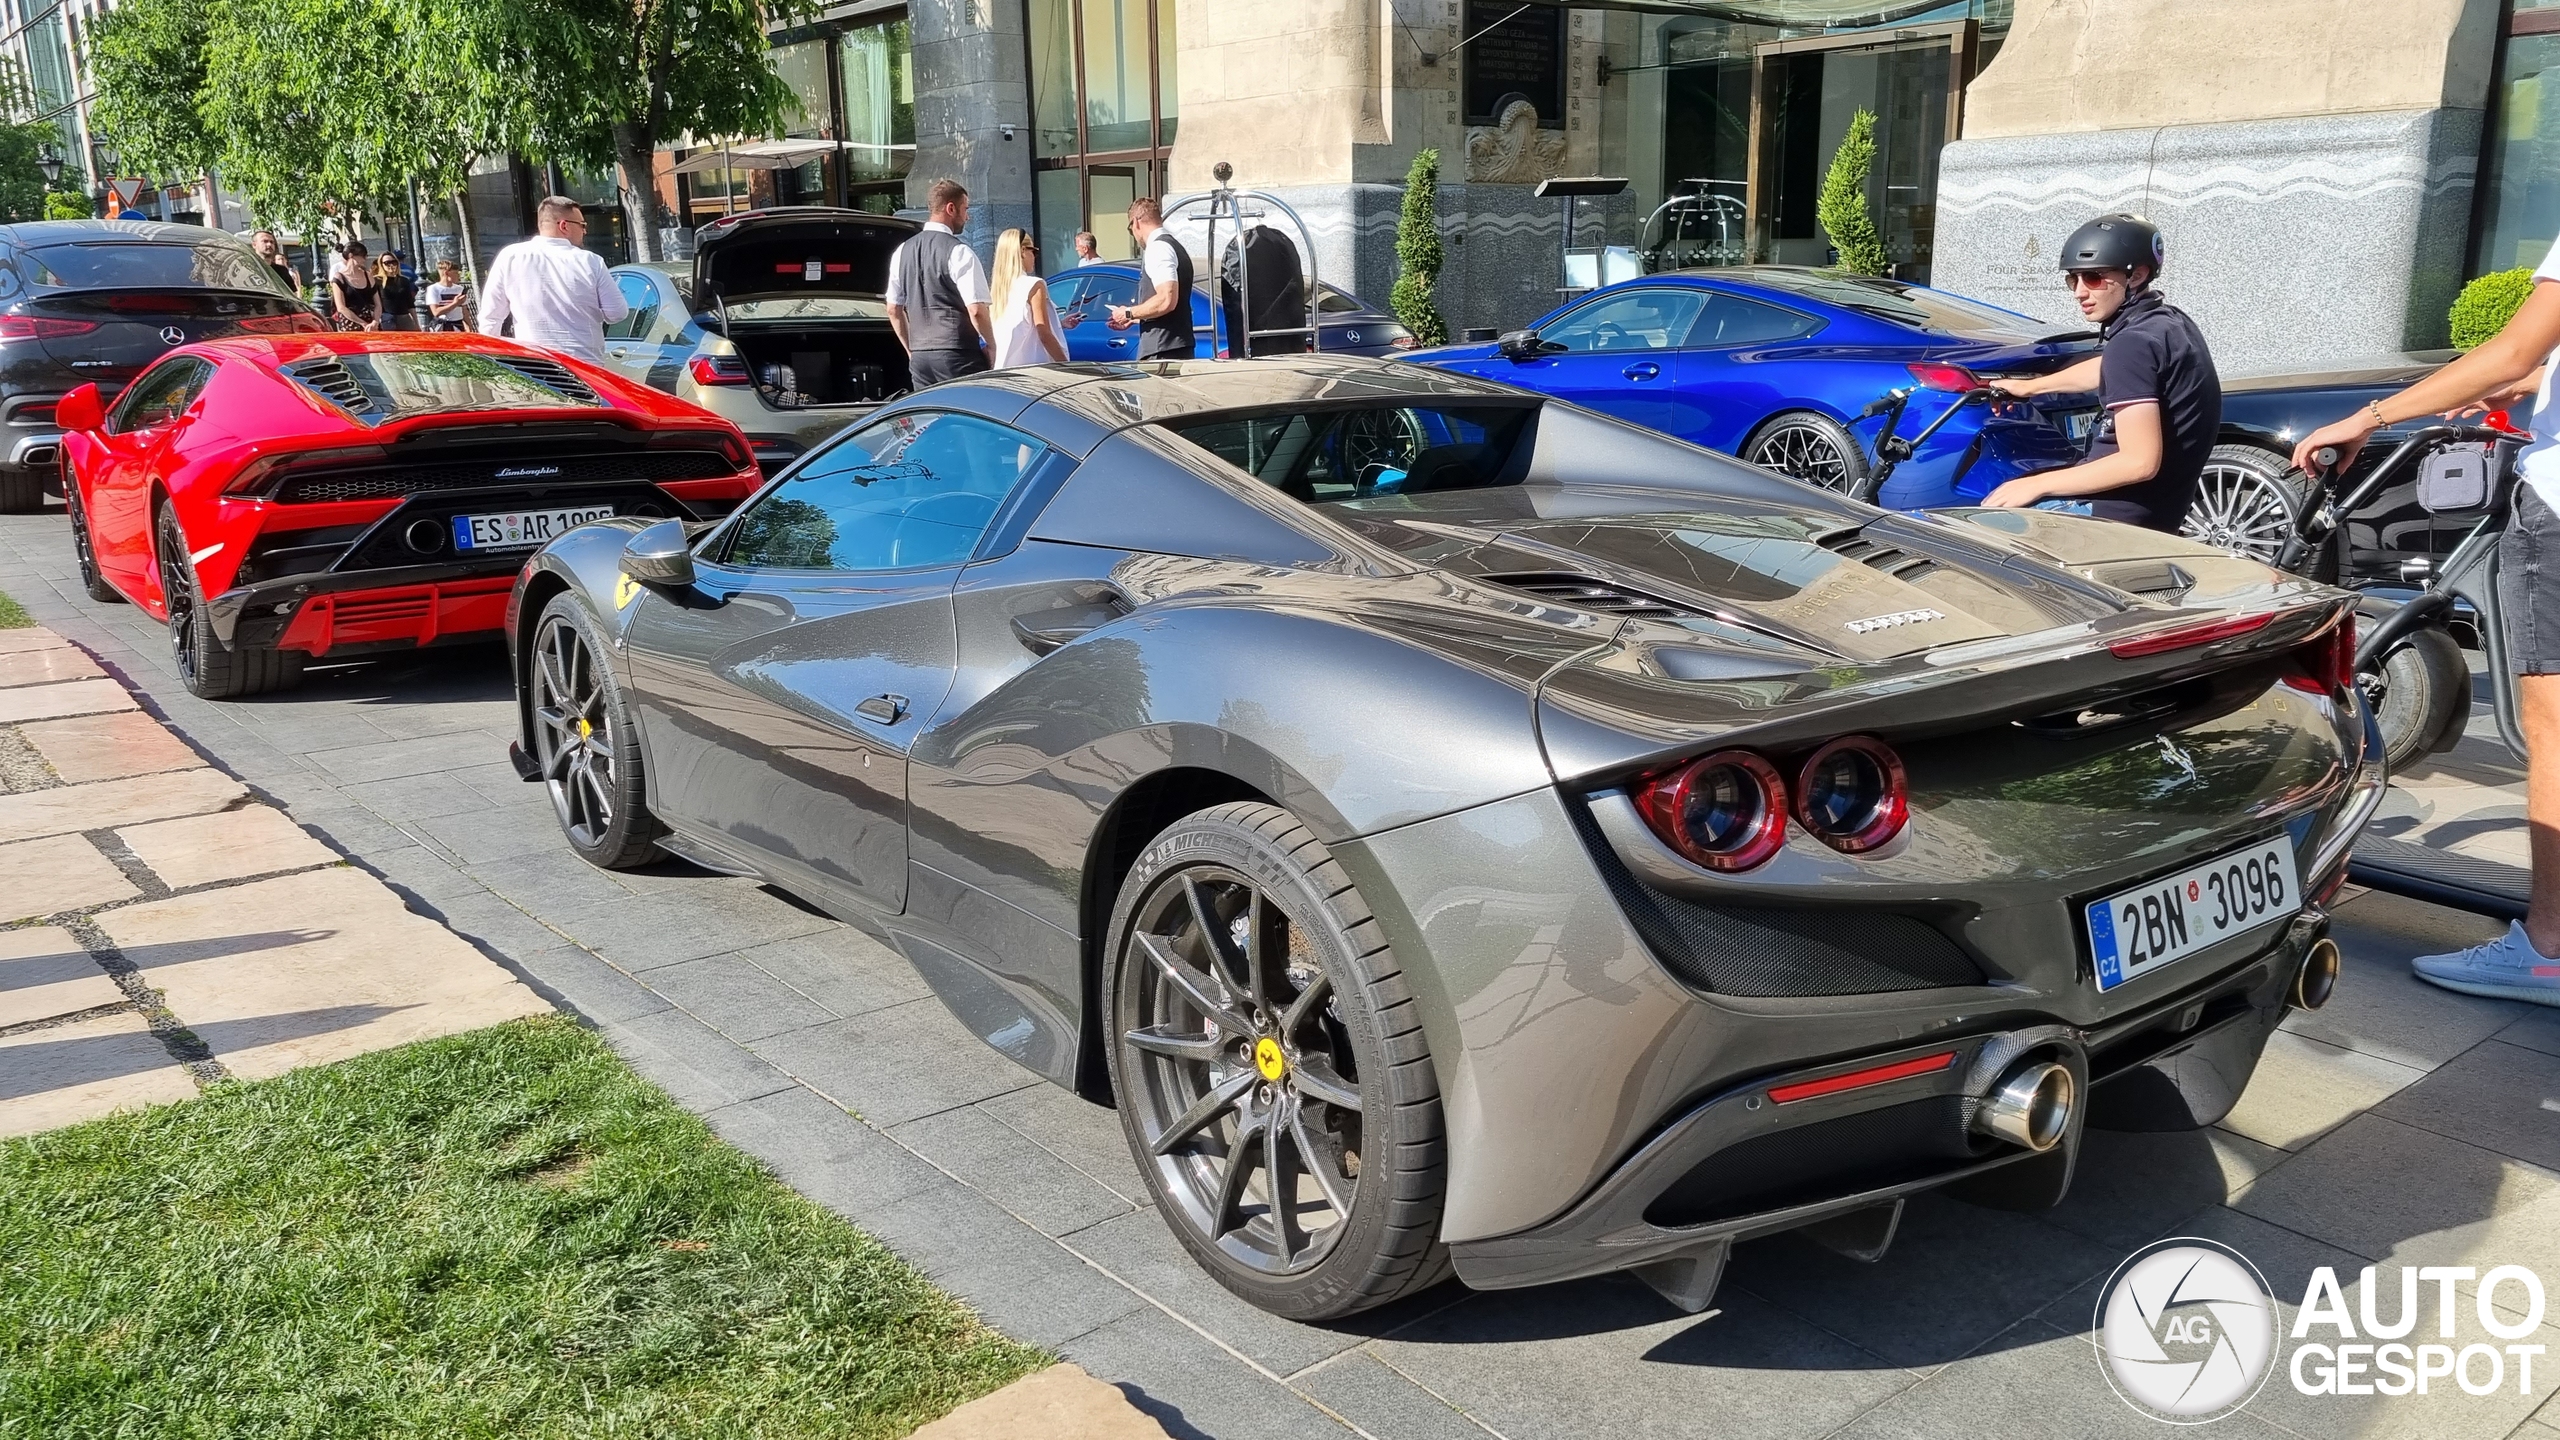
x: 51, y: 164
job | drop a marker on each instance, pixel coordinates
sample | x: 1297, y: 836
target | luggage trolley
x: 1227, y: 203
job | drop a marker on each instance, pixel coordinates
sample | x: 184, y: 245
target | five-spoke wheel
x: 582, y: 742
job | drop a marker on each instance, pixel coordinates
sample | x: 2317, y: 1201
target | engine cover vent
x: 1585, y: 592
x: 1853, y: 544
x: 329, y: 378
x: 553, y: 375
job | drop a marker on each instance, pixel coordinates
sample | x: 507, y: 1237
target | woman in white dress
x: 1026, y: 325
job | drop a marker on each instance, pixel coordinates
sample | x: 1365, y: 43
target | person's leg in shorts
x: 2521, y: 964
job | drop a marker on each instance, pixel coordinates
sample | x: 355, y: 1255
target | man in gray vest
x: 938, y: 293
x: 1163, y: 314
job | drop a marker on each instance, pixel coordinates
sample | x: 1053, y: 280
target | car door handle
x: 618, y: 353
x: 887, y: 709
x: 1643, y: 370
x: 1046, y: 630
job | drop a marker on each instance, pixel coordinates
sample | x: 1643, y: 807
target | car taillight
x: 283, y: 324
x: 41, y: 327
x: 717, y: 370
x: 1851, y: 795
x: 2328, y: 660
x: 733, y: 448
x: 2185, y: 637
x: 1943, y: 377
x: 1403, y: 342
x: 1726, y: 811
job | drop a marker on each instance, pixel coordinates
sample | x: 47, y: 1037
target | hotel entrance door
x: 1807, y: 90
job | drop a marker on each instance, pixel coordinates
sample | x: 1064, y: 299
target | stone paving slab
x: 58, y: 873
x: 77, y: 697
x: 84, y: 1069
x: 311, y: 968
x: 108, y: 747
x: 1059, y: 1403
x: 46, y: 973
x: 107, y: 804
x: 33, y: 667
x: 233, y: 845
x: 30, y: 637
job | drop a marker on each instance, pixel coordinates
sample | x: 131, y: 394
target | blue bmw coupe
x: 1777, y: 365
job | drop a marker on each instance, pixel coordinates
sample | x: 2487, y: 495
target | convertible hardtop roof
x: 1115, y: 396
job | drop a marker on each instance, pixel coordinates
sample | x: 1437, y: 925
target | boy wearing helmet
x: 2154, y: 374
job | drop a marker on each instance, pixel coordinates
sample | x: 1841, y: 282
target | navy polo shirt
x: 2155, y: 353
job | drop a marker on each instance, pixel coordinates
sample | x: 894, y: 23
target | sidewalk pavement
x: 2400, y: 1125
x: 160, y: 929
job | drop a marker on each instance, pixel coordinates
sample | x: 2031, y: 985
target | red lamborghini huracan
x: 280, y: 499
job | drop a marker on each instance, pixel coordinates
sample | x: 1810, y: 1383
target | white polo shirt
x: 560, y: 293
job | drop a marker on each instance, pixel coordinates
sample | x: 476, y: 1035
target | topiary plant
x: 1418, y: 253
x: 1842, y: 209
x: 2486, y: 304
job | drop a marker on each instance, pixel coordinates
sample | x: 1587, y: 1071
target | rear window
x: 1327, y: 457
x: 126, y: 264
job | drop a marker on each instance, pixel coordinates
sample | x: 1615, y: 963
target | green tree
x: 67, y: 205
x: 147, y: 61
x: 22, y: 188
x: 1842, y: 209
x: 620, y: 76
x: 1418, y: 253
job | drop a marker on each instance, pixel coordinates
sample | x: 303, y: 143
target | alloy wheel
x: 178, y: 591
x: 1803, y: 451
x: 2240, y: 510
x: 573, y: 732
x: 1246, y: 1093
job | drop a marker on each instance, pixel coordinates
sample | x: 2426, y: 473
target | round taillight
x: 1726, y: 811
x: 1851, y: 796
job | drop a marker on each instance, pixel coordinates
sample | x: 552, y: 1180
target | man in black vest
x: 1163, y: 315
x: 938, y: 294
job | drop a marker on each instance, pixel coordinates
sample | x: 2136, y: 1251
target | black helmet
x: 2114, y: 242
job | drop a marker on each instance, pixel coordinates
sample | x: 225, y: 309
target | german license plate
x: 517, y: 529
x: 2133, y: 932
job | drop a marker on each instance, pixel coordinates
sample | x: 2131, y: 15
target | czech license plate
x: 2133, y: 932
x: 517, y: 529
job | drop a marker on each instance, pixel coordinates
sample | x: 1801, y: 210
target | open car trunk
x: 803, y: 366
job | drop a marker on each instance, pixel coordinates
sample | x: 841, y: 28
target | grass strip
x: 506, y: 1233
x: 13, y: 616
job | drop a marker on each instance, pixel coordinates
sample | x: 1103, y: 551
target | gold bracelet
x: 2376, y: 407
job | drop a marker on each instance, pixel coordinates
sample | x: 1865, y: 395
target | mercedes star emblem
x: 172, y: 335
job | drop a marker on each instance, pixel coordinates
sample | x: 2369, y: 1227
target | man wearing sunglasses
x: 2154, y: 374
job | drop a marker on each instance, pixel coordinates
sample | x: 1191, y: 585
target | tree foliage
x: 2486, y: 305
x: 67, y: 205
x: 1842, y: 208
x: 1418, y: 253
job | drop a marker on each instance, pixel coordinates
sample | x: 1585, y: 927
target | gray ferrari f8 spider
x: 1460, y: 832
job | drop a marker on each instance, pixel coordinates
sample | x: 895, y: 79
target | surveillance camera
x: 1008, y: 131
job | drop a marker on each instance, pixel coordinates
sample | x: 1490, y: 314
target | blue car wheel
x: 1809, y: 446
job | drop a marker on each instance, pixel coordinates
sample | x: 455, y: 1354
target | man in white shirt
x: 938, y: 294
x: 1163, y: 312
x: 2524, y: 963
x: 559, y: 293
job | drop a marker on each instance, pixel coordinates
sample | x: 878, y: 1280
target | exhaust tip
x: 2030, y: 1107
x: 425, y: 536
x: 2317, y: 980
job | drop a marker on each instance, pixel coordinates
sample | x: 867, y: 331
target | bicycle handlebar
x: 2318, y: 522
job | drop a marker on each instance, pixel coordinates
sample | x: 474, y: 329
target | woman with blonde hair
x: 1026, y: 326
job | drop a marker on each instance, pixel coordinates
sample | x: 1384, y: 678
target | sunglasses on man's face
x: 2087, y: 279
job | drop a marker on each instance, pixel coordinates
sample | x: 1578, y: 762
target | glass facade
x: 2520, y: 180
x: 1103, y: 116
x: 856, y: 85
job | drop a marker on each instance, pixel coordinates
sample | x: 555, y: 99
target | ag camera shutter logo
x: 2186, y: 1330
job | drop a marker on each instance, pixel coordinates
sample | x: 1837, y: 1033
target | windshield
x: 128, y: 265
x: 1328, y: 457
x: 1915, y: 307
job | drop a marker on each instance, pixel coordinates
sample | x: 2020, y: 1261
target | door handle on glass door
x: 887, y: 709
x: 1643, y: 370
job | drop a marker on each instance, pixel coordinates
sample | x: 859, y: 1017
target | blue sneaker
x: 2507, y: 968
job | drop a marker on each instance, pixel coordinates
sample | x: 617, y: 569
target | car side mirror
x: 80, y: 410
x: 659, y: 555
x: 1522, y: 345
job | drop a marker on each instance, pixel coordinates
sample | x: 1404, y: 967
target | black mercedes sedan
x: 95, y: 302
x: 1464, y: 832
